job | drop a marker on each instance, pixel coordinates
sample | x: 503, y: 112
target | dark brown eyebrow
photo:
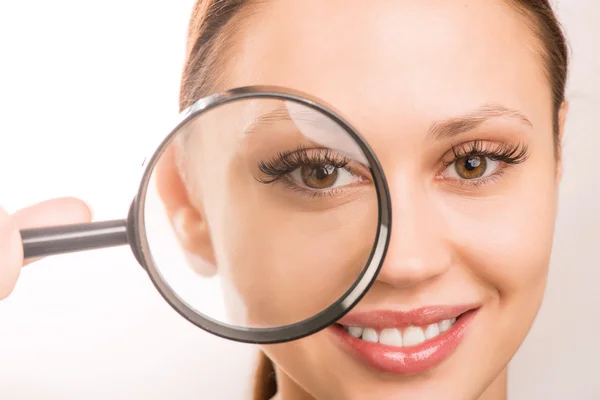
x: 451, y: 127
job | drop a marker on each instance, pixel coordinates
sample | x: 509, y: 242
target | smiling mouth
x: 401, y: 337
x: 405, y: 343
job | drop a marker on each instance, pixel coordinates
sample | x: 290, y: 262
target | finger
x: 11, y: 254
x: 55, y: 212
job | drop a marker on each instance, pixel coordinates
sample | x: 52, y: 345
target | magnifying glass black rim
x: 299, y: 329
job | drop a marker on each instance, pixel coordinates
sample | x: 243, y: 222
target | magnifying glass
x: 263, y: 217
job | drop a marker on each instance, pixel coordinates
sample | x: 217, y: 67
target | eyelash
x: 509, y: 154
x: 277, y: 168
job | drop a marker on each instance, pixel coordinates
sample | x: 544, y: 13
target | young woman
x: 463, y: 103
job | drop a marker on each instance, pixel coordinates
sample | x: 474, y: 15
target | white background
x: 83, y: 85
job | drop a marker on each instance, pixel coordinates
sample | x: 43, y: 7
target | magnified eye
x: 471, y: 167
x: 322, y: 177
x: 314, y: 171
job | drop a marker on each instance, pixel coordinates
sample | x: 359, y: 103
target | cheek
x: 285, y: 264
x: 506, y: 240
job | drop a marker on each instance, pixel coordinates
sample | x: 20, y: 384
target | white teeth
x: 355, y: 331
x: 411, y: 336
x: 432, y: 331
x: 445, y: 325
x: 390, y: 337
x: 370, y: 335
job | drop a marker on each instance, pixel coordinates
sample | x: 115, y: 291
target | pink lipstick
x: 404, y: 343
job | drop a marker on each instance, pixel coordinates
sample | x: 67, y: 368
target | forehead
x: 391, y: 58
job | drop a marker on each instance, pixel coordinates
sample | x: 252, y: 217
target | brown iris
x: 319, y: 176
x: 471, y: 167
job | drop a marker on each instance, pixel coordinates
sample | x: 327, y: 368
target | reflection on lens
x: 261, y: 213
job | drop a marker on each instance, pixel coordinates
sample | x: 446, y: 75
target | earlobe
x: 189, y: 224
x: 193, y: 234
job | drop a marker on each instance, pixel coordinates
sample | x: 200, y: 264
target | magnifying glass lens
x: 261, y: 213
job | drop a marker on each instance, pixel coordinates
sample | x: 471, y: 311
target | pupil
x: 472, y: 163
x: 321, y: 173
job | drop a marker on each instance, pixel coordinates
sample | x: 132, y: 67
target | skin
x: 399, y: 68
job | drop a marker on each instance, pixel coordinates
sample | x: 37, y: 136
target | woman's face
x: 452, y: 98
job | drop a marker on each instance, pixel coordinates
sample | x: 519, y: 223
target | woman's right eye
x: 320, y: 177
x: 314, y: 172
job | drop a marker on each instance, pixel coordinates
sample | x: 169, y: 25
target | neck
x: 290, y: 390
x: 498, y: 389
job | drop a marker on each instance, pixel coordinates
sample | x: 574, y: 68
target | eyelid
x: 512, y: 152
x: 459, y: 150
x: 364, y: 171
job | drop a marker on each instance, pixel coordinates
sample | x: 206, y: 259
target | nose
x: 418, y: 250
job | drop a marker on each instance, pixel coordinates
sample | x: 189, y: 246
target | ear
x: 562, y: 117
x: 187, y: 220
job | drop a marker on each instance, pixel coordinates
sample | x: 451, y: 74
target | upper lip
x: 381, y: 319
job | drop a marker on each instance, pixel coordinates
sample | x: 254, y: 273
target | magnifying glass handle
x: 41, y: 242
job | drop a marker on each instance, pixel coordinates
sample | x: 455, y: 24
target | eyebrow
x: 451, y: 127
x: 281, y: 113
x: 439, y: 130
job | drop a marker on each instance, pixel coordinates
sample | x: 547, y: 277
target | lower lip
x: 405, y: 360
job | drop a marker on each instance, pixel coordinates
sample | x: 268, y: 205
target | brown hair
x: 207, y: 44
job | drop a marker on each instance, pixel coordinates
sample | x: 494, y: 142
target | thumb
x: 55, y: 212
x: 61, y: 211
